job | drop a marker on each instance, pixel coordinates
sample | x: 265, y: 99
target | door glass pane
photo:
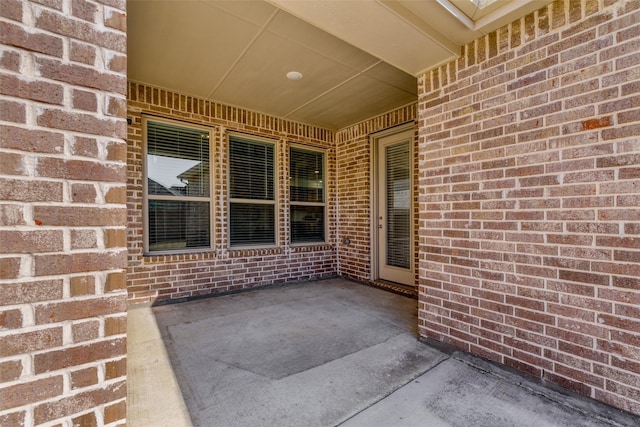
x: 398, y: 205
x: 178, y: 225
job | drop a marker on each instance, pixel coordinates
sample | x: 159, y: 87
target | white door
x: 393, y: 220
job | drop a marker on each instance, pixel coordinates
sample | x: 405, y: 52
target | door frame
x: 375, y: 194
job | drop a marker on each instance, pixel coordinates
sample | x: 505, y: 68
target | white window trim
x: 323, y: 204
x: 145, y: 189
x: 276, y: 195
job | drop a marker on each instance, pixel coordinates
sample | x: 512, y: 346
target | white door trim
x: 375, y: 194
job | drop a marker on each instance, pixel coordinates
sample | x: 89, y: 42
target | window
x: 307, y: 191
x: 252, y: 202
x: 178, y: 187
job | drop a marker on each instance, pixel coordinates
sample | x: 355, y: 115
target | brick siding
x: 530, y: 198
x: 528, y: 210
x: 62, y: 207
x: 187, y: 275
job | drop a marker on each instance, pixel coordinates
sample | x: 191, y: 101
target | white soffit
x: 496, y: 14
x: 374, y: 28
x: 413, y: 36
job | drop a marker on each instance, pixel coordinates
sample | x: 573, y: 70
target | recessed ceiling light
x: 294, y: 75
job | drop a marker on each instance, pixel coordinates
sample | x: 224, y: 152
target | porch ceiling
x: 358, y: 58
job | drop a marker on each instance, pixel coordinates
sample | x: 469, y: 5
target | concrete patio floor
x: 323, y: 353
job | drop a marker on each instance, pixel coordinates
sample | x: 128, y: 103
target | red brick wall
x: 530, y: 198
x: 163, y: 277
x: 62, y: 213
x: 353, y: 147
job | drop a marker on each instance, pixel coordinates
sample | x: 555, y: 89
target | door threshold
x: 397, y: 288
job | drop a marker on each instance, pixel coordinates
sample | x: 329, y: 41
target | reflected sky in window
x: 166, y: 170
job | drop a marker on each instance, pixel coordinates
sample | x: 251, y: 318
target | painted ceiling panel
x: 358, y: 99
x: 177, y: 45
x: 359, y: 58
x: 314, y: 39
x: 260, y: 78
x: 255, y: 12
x: 389, y: 74
x: 372, y: 27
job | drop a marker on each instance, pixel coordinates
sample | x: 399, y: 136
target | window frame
x: 324, y: 192
x: 276, y: 197
x: 146, y: 197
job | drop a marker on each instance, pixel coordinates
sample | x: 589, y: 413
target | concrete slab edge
x: 410, y: 380
x: 243, y: 290
x: 551, y: 391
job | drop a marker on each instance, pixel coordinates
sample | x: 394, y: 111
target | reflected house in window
x: 177, y: 167
x: 183, y: 221
x: 161, y: 190
x: 196, y: 180
x: 163, y: 214
x: 197, y: 183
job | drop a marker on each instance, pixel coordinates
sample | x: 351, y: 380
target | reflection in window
x: 178, y: 187
x: 251, y: 224
x: 178, y: 225
x: 252, y: 192
x: 307, y: 195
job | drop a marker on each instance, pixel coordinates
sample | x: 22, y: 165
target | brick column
x: 62, y: 213
x: 530, y: 198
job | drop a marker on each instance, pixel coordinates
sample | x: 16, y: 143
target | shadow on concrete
x: 324, y: 353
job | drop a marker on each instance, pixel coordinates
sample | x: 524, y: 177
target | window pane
x: 177, y: 160
x: 251, y: 170
x: 307, y: 175
x: 307, y: 224
x: 251, y: 224
x: 178, y: 225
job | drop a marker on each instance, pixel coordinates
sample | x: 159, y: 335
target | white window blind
x: 307, y: 192
x: 178, y: 187
x: 398, y: 180
x: 252, y: 192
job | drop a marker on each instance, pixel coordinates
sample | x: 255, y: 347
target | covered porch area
x: 330, y: 352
